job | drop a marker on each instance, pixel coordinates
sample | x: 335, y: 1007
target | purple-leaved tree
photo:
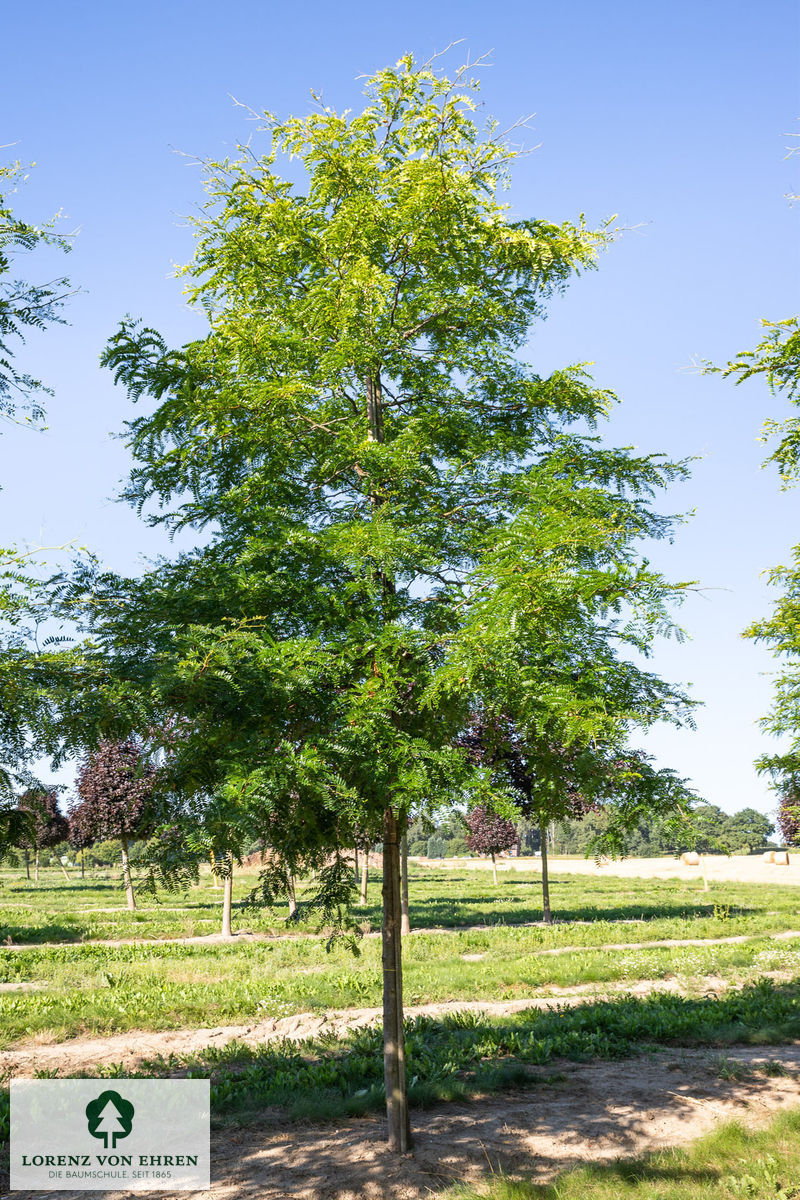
x: 789, y: 816
x: 489, y: 833
x: 48, y: 826
x: 116, y: 785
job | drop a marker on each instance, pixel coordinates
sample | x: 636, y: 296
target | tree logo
x: 109, y: 1116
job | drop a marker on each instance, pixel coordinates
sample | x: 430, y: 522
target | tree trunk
x: 126, y: 874
x: 494, y: 867
x: 36, y: 865
x: 292, y: 897
x: 355, y: 863
x: 362, y: 900
x: 27, y: 863
x: 227, y: 899
x: 83, y: 865
x: 547, y: 916
x: 64, y: 869
x: 405, y: 923
x: 394, y: 1057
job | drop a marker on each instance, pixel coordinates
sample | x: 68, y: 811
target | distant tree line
x: 712, y: 832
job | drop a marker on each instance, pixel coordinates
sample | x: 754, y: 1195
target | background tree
x: 789, y: 814
x: 81, y: 833
x: 116, y: 785
x: 490, y: 833
x: 47, y: 826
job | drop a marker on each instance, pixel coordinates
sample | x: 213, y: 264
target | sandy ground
x: 736, y: 869
x: 578, y: 1113
x: 134, y: 1048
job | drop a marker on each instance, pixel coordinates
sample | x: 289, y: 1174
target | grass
x: 102, y: 989
x: 57, y: 911
x: 465, y: 1053
x: 732, y: 1163
x: 89, y: 988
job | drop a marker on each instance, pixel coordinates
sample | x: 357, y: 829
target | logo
x: 110, y: 1117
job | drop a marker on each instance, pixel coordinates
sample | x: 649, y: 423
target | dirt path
x: 598, y: 1111
x: 136, y: 1047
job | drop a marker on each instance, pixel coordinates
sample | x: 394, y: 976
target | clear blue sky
x: 673, y: 116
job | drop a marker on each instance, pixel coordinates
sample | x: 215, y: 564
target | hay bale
x: 768, y: 856
x: 690, y: 859
x: 781, y: 858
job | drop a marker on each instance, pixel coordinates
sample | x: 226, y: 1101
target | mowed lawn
x: 77, y: 987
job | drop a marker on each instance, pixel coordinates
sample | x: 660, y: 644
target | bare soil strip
x: 136, y: 1047
x: 598, y: 1111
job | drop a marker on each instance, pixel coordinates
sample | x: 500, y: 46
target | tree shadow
x: 478, y: 910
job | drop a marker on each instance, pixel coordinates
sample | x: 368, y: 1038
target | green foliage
x: 23, y: 305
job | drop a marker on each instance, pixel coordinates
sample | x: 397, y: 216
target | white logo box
x: 128, y: 1135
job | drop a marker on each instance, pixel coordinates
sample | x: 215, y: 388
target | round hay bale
x: 768, y: 856
x: 690, y: 858
x: 781, y: 858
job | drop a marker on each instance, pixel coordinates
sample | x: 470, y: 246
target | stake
x: 126, y: 874
x: 405, y: 923
x: 547, y: 916
x: 227, y: 897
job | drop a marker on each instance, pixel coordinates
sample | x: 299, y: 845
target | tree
x: 81, y: 832
x: 777, y: 359
x: 47, y: 826
x: 24, y: 306
x: 789, y: 814
x: 490, y: 833
x: 116, y: 786
x: 359, y: 433
x: 747, y: 830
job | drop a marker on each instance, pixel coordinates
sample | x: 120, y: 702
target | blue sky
x: 675, y: 117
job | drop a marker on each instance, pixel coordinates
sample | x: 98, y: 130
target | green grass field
x: 475, y: 941
x: 161, y: 984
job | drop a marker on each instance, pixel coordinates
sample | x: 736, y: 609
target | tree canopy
x: 398, y: 510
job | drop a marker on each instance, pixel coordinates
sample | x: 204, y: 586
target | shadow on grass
x: 478, y: 910
x: 34, y: 935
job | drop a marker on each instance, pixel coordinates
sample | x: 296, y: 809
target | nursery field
x: 692, y: 997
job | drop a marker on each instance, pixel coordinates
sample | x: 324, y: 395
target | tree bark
x: 227, y: 898
x: 494, y: 867
x: 64, y: 870
x: 126, y: 875
x: 405, y: 924
x: 83, y: 865
x: 547, y: 916
x: 394, y: 1060
x: 362, y: 900
x: 27, y: 863
x: 36, y: 865
x: 292, y: 897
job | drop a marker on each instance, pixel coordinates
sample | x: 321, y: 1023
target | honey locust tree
x: 351, y: 432
x: 777, y: 359
x: 25, y: 307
